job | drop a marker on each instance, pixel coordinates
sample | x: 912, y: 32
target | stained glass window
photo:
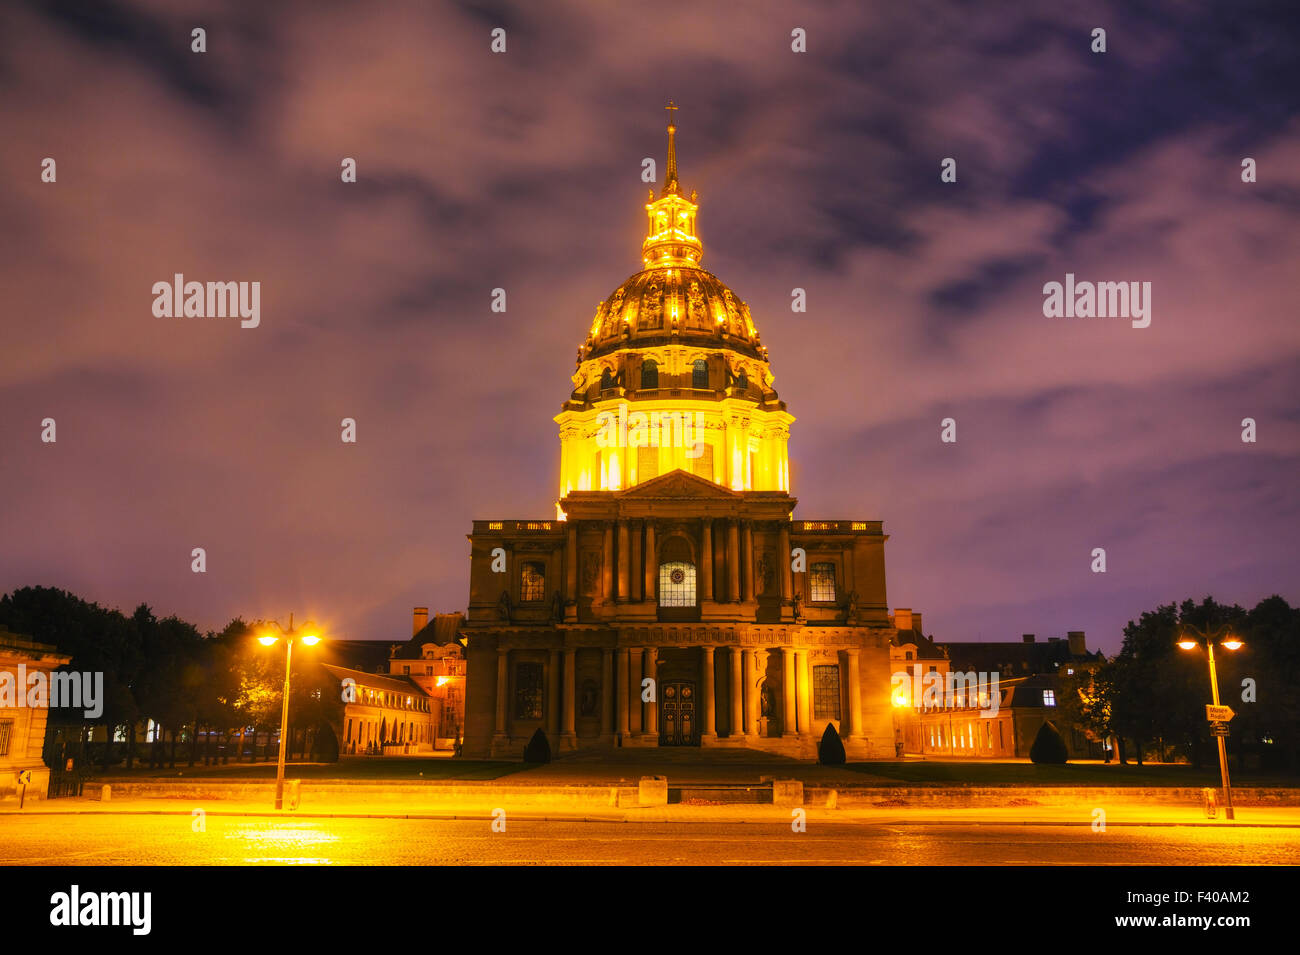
x: 821, y: 583
x: 532, y: 583
x: 677, y: 584
x: 826, y: 692
x: 528, y: 691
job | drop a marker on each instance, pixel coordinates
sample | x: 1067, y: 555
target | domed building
x: 674, y: 600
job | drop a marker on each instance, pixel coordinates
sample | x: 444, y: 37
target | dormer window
x: 606, y: 380
x: 700, y: 374
x: 649, y: 375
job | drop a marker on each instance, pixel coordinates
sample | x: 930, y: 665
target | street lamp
x: 307, y: 636
x: 1191, y: 639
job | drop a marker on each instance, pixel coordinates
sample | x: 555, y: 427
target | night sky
x: 522, y: 171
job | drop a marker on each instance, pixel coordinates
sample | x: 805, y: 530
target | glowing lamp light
x: 1187, y: 644
x: 267, y: 639
x: 441, y: 681
x: 900, y: 699
x: 311, y: 639
x: 1232, y: 643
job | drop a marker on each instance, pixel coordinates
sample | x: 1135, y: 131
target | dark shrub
x: 830, y: 751
x: 1048, y: 746
x: 538, y: 749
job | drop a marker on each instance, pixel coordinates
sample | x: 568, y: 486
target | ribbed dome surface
x: 675, y: 304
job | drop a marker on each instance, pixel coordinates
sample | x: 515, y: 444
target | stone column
x: 752, y: 708
x: 606, y: 692
x: 634, y: 691
x: 503, y: 688
x: 790, y: 726
x: 710, y: 725
x: 805, y: 692
x: 652, y: 709
x: 570, y: 675
x: 787, y: 585
x: 737, y: 694
x: 607, y: 570
x: 733, y: 561
x: 651, y: 562
x: 553, y: 698
x: 747, y: 562
x: 637, y: 571
x: 624, y: 704
x: 624, y: 552
x: 855, y: 694
x: 571, y: 563
x: 706, y: 560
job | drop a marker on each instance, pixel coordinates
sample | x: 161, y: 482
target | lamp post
x: 1191, y: 639
x: 309, y: 638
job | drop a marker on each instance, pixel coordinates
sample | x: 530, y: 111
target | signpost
x: 1218, y: 714
x: 24, y: 777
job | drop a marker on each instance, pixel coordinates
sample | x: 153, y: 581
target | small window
x: 606, y: 380
x: 406, y: 671
x: 908, y: 655
x: 826, y: 692
x: 649, y: 375
x: 700, y: 374
x: 532, y: 583
x: 1049, y: 698
x: 528, y: 691
x: 821, y: 583
x: 6, y: 730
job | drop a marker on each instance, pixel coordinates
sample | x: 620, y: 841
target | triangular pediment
x: 680, y: 484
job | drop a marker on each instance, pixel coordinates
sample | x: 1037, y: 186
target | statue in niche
x: 798, y: 605
x: 557, y: 608
x: 766, y: 572
x: 591, y: 564
x: 767, y: 702
x: 850, y: 605
x: 504, y: 609
x: 589, y: 698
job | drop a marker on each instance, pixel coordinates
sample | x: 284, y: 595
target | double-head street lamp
x: 1190, y: 639
x: 272, y: 633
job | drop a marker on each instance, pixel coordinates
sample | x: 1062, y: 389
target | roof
x: 1011, y: 657
x: 926, y: 648
x: 398, y: 684
x: 369, y: 656
x: 443, y: 629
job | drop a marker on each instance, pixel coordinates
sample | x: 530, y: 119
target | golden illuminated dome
x: 673, y: 348
x: 673, y: 305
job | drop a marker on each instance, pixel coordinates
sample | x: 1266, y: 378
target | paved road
x: 169, y: 840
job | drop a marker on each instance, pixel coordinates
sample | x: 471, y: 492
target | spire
x: 670, y: 178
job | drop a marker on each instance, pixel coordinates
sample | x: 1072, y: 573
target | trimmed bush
x: 1048, y: 746
x: 538, y: 749
x: 830, y: 751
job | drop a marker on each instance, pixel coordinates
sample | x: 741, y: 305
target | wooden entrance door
x: 677, y: 715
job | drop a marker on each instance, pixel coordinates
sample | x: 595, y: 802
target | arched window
x: 677, y: 584
x: 700, y: 374
x: 532, y: 581
x: 606, y: 380
x: 742, y: 381
x: 649, y: 374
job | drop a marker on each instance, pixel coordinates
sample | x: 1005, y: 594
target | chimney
x: 916, y: 622
x: 903, y: 618
x: 1077, y: 646
x: 1027, y: 638
x: 420, y: 620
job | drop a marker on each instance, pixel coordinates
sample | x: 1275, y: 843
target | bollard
x: 653, y: 791
x: 105, y: 793
x: 1211, y: 797
x: 295, y: 793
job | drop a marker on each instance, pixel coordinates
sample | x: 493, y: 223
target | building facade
x: 22, y: 726
x: 674, y: 600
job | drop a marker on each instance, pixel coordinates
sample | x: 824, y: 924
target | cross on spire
x: 670, y: 177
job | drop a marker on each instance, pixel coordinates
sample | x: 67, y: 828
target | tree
x: 1048, y: 747
x: 830, y: 751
